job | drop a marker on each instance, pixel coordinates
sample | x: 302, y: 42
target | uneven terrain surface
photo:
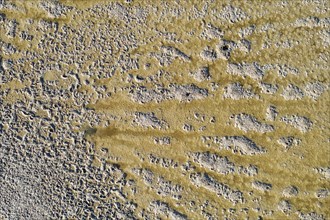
x: 164, y: 109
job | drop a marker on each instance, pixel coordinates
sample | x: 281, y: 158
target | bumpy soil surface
x: 164, y: 109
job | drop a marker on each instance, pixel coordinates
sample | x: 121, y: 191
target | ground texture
x: 164, y: 109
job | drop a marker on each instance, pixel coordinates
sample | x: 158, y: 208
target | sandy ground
x: 164, y: 109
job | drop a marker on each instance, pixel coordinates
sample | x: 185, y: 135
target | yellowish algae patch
x: 129, y: 144
x: 278, y: 167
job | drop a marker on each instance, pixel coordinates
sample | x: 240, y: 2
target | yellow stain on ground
x: 282, y: 168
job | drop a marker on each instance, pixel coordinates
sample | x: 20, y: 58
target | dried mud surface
x: 164, y: 109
